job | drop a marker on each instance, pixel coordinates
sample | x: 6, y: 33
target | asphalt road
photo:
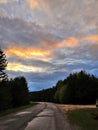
x: 44, y: 116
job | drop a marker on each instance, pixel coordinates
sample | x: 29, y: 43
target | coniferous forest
x: 77, y: 88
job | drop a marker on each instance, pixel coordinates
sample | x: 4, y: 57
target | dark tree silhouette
x: 20, y: 92
x: 78, y: 88
x: 5, y: 95
x: 46, y: 95
x: 3, y: 65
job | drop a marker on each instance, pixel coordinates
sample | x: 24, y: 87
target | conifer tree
x: 3, y: 65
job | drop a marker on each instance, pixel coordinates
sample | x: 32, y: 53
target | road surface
x: 44, y: 116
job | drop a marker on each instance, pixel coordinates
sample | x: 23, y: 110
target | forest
x: 77, y: 88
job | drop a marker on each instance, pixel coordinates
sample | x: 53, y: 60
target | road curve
x: 44, y: 116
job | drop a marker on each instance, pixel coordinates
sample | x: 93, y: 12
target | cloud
x: 39, y: 4
x: 24, y: 68
x: 27, y: 52
x: 33, y: 4
x: 43, y: 48
x: 43, y: 80
x: 91, y: 38
x: 70, y: 42
x: 81, y: 18
x: 3, y: 1
x: 46, y: 40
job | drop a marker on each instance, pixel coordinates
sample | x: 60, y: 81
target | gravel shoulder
x: 65, y: 108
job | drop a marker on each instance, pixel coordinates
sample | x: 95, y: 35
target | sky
x: 46, y: 40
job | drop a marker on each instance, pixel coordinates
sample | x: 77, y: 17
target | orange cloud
x: 46, y: 54
x: 42, y: 54
x: 3, y: 1
x: 33, y: 3
x: 23, y: 68
x: 73, y: 42
x: 70, y: 42
x: 39, y: 4
x: 92, y: 38
x: 27, y: 52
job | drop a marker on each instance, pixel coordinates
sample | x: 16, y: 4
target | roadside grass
x: 86, y: 119
x: 13, y: 110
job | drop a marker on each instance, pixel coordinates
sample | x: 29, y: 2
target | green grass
x: 13, y: 110
x: 84, y: 118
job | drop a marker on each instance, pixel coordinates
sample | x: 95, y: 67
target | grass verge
x: 84, y: 118
x: 13, y: 110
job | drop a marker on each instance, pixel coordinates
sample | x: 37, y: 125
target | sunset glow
x: 71, y: 42
x: 46, y: 40
x: 33, y: 3
x: 92, y: 38
x: 27, y: 52
x: 23, y: 68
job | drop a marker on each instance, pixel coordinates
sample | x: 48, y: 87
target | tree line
x: 77, y: 88
x: 13, y: 92
x: 45, y: 95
